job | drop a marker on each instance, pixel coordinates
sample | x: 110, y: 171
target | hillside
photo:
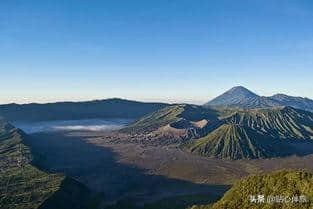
x: 242, y: 98
x: 280, y: 123
x: 25, y: 186
x: 109, y: 108
x: 175, y: 123
x: 296, y: 102
x: 277, y: 190
x: 232, y: 141
x: 258, y: 133
x: 227, y: 134
x: 179, y: 116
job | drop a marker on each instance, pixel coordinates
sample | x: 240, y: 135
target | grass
x: 24, y: 186
x: 257, y: 133
x: 281, y: 123
x: 286, y: 183
x: 231, y: 141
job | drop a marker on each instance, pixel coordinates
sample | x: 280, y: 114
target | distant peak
x: 287, y: 97
x: 237, y: 95
x: 239, y: 87
x: 280, y: 95
x: 240, y: 90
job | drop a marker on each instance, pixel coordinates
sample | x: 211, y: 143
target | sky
x: 162, y: 50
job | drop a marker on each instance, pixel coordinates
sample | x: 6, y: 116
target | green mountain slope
x: 24, y: 186
x: 279, y: 189
x: 255, y: 134
x: 282, y: 123
x: 230, y: 133
x: 180, y: 116
x: 232, y: 141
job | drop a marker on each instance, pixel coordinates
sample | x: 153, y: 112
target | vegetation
x: 24, y: 186
x: 255, y: 133
x: 157, y: 119
x: 281, y: 190
x: 232, y: 141
x: 170, y: 115
x: 280, y: 123
x: 230, y: 134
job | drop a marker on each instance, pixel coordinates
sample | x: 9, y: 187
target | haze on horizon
x: 166, y: 51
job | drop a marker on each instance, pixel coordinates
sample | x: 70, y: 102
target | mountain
x: 176, y: 115
x: 232, y: 141
x: 109, y: 108
x: 278, y: 123
x: 227, y: 133
x: 24, y: 186
x: 278, y: 190
x: 175, y: 121
x: 257, y: 133
x: 296, y: 102
x: 240, y: 97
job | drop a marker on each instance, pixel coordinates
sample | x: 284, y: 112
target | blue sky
x: 162, y: 50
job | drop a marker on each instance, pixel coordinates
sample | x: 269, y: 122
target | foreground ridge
x: 24, y: 185
x: 278, y: 190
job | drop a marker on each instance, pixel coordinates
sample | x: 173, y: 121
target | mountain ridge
x: 231, y: 134
x: 284, y: 184
x: 233, y: 141
x: 24, y: 185
x: 294, y: 101
x: 175, y: 123
x: 241, y: 97
x: 107, y: 108
x: 257, y: 133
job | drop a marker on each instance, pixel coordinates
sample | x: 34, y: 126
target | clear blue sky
x: 161, y: 50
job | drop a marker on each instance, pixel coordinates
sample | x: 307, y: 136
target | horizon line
x: 143, y: 100
x: 102, y: 99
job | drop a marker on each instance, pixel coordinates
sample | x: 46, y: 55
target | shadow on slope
x: 99, y: 168
x: 66, y: 197
x: 301, y: 147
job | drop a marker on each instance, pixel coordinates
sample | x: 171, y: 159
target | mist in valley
x: 71, y: 125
